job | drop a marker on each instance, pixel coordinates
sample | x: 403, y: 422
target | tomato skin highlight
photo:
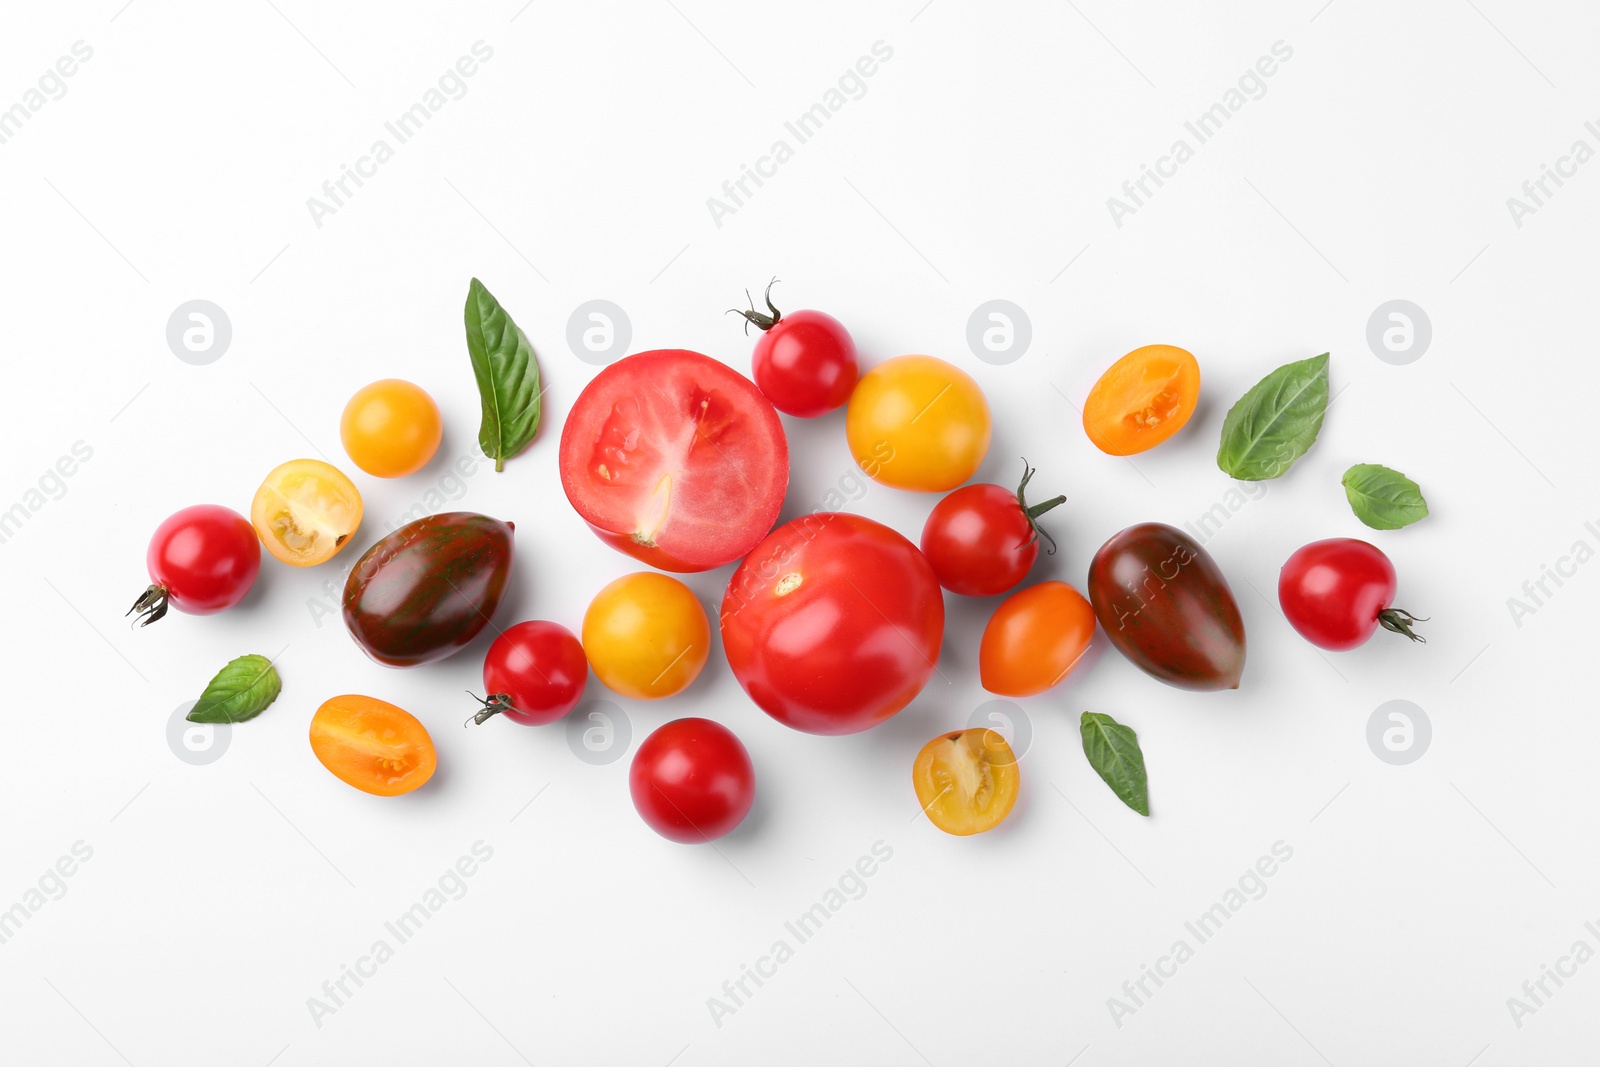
x: 426, y: 590
x: 692, y: 781
x: 534, y: 673
x: 675, y: 459
x: 916, y: 422
x: 1165, y: 605
x: 372, y: 745
x: 1338, y: 591
x: 833, y: 623
x: 202, y: 560
x: 1034, y: 639
x: 1142, y: 399
x: 805, y: 364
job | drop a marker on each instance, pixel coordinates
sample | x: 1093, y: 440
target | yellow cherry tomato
x: 646, y: 636
x: 966, y: 781
x: 916, y: 422
x: 391, y: 428
x: 372, y: 745
x: 305, y: 512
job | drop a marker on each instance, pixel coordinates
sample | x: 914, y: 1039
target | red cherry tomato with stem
x: 805, y: 363
x: 983, y: 539
x: 692, y: 781
x: 1337, y: 593
x: 201, y: 560
x: 534, y: 673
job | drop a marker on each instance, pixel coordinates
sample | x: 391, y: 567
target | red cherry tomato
x: 534, y: 673
x: 833, y: 623
x: 1337, y: 592
x: 805, y: 363
x: 201, y: 560
x: 982, y: 539
x: 692, y: 781
x: 675, y: 459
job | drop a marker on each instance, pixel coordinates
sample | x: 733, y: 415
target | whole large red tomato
x: 833, y: 623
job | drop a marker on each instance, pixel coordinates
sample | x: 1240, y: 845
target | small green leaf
x: 1276, y: 422
x: 1384, y: 499
x: 240, y: 691
x: 1113, y: 751
x: 508, y: 377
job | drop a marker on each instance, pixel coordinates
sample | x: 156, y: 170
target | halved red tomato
x: 675, y: 459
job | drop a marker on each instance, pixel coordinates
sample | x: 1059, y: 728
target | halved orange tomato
x: 1142, y: 399
x: 305, y: 511
x: 372, y: 745
x: 966, y: 781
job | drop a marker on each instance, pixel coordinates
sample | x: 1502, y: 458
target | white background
x: 219, y: 898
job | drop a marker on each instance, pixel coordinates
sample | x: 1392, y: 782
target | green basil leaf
x: 1113, y: 751
x: 1384, y: 499
x: 240, y: 691
x: 1276, y: 422
x: 508, y: 377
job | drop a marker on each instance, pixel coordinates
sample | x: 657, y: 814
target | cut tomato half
x: 675, y: 459
x: 966, y: 781
x: 1142, y: 399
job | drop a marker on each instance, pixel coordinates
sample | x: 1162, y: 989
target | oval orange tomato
x: 372, y: 745
x: 1034, y: 639
x: 1142, y: 399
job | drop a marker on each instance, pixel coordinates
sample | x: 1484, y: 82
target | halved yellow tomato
x: 305, y: 512
x: 372, y: 745
x: 966, y: 781
x: 1142, y: 399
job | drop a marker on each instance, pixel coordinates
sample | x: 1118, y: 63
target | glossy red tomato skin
x: 1331, y: 591
x: 539, y: 670
x: 979, y: 541
x: 206, y: 557
x: 1164, y: 604
x: 692, y: 781
x: 833, y: 623
x: 806, y: 364
x: 728, y: 463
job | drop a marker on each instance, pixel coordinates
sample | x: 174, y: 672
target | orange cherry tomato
x: 372, y: 745
x: 966, y: 781
x: 1142, y: 399
x: 1034, y: 639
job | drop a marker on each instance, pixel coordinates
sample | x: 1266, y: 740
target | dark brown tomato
x: 1165, y: 605
x: 427, y: 589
